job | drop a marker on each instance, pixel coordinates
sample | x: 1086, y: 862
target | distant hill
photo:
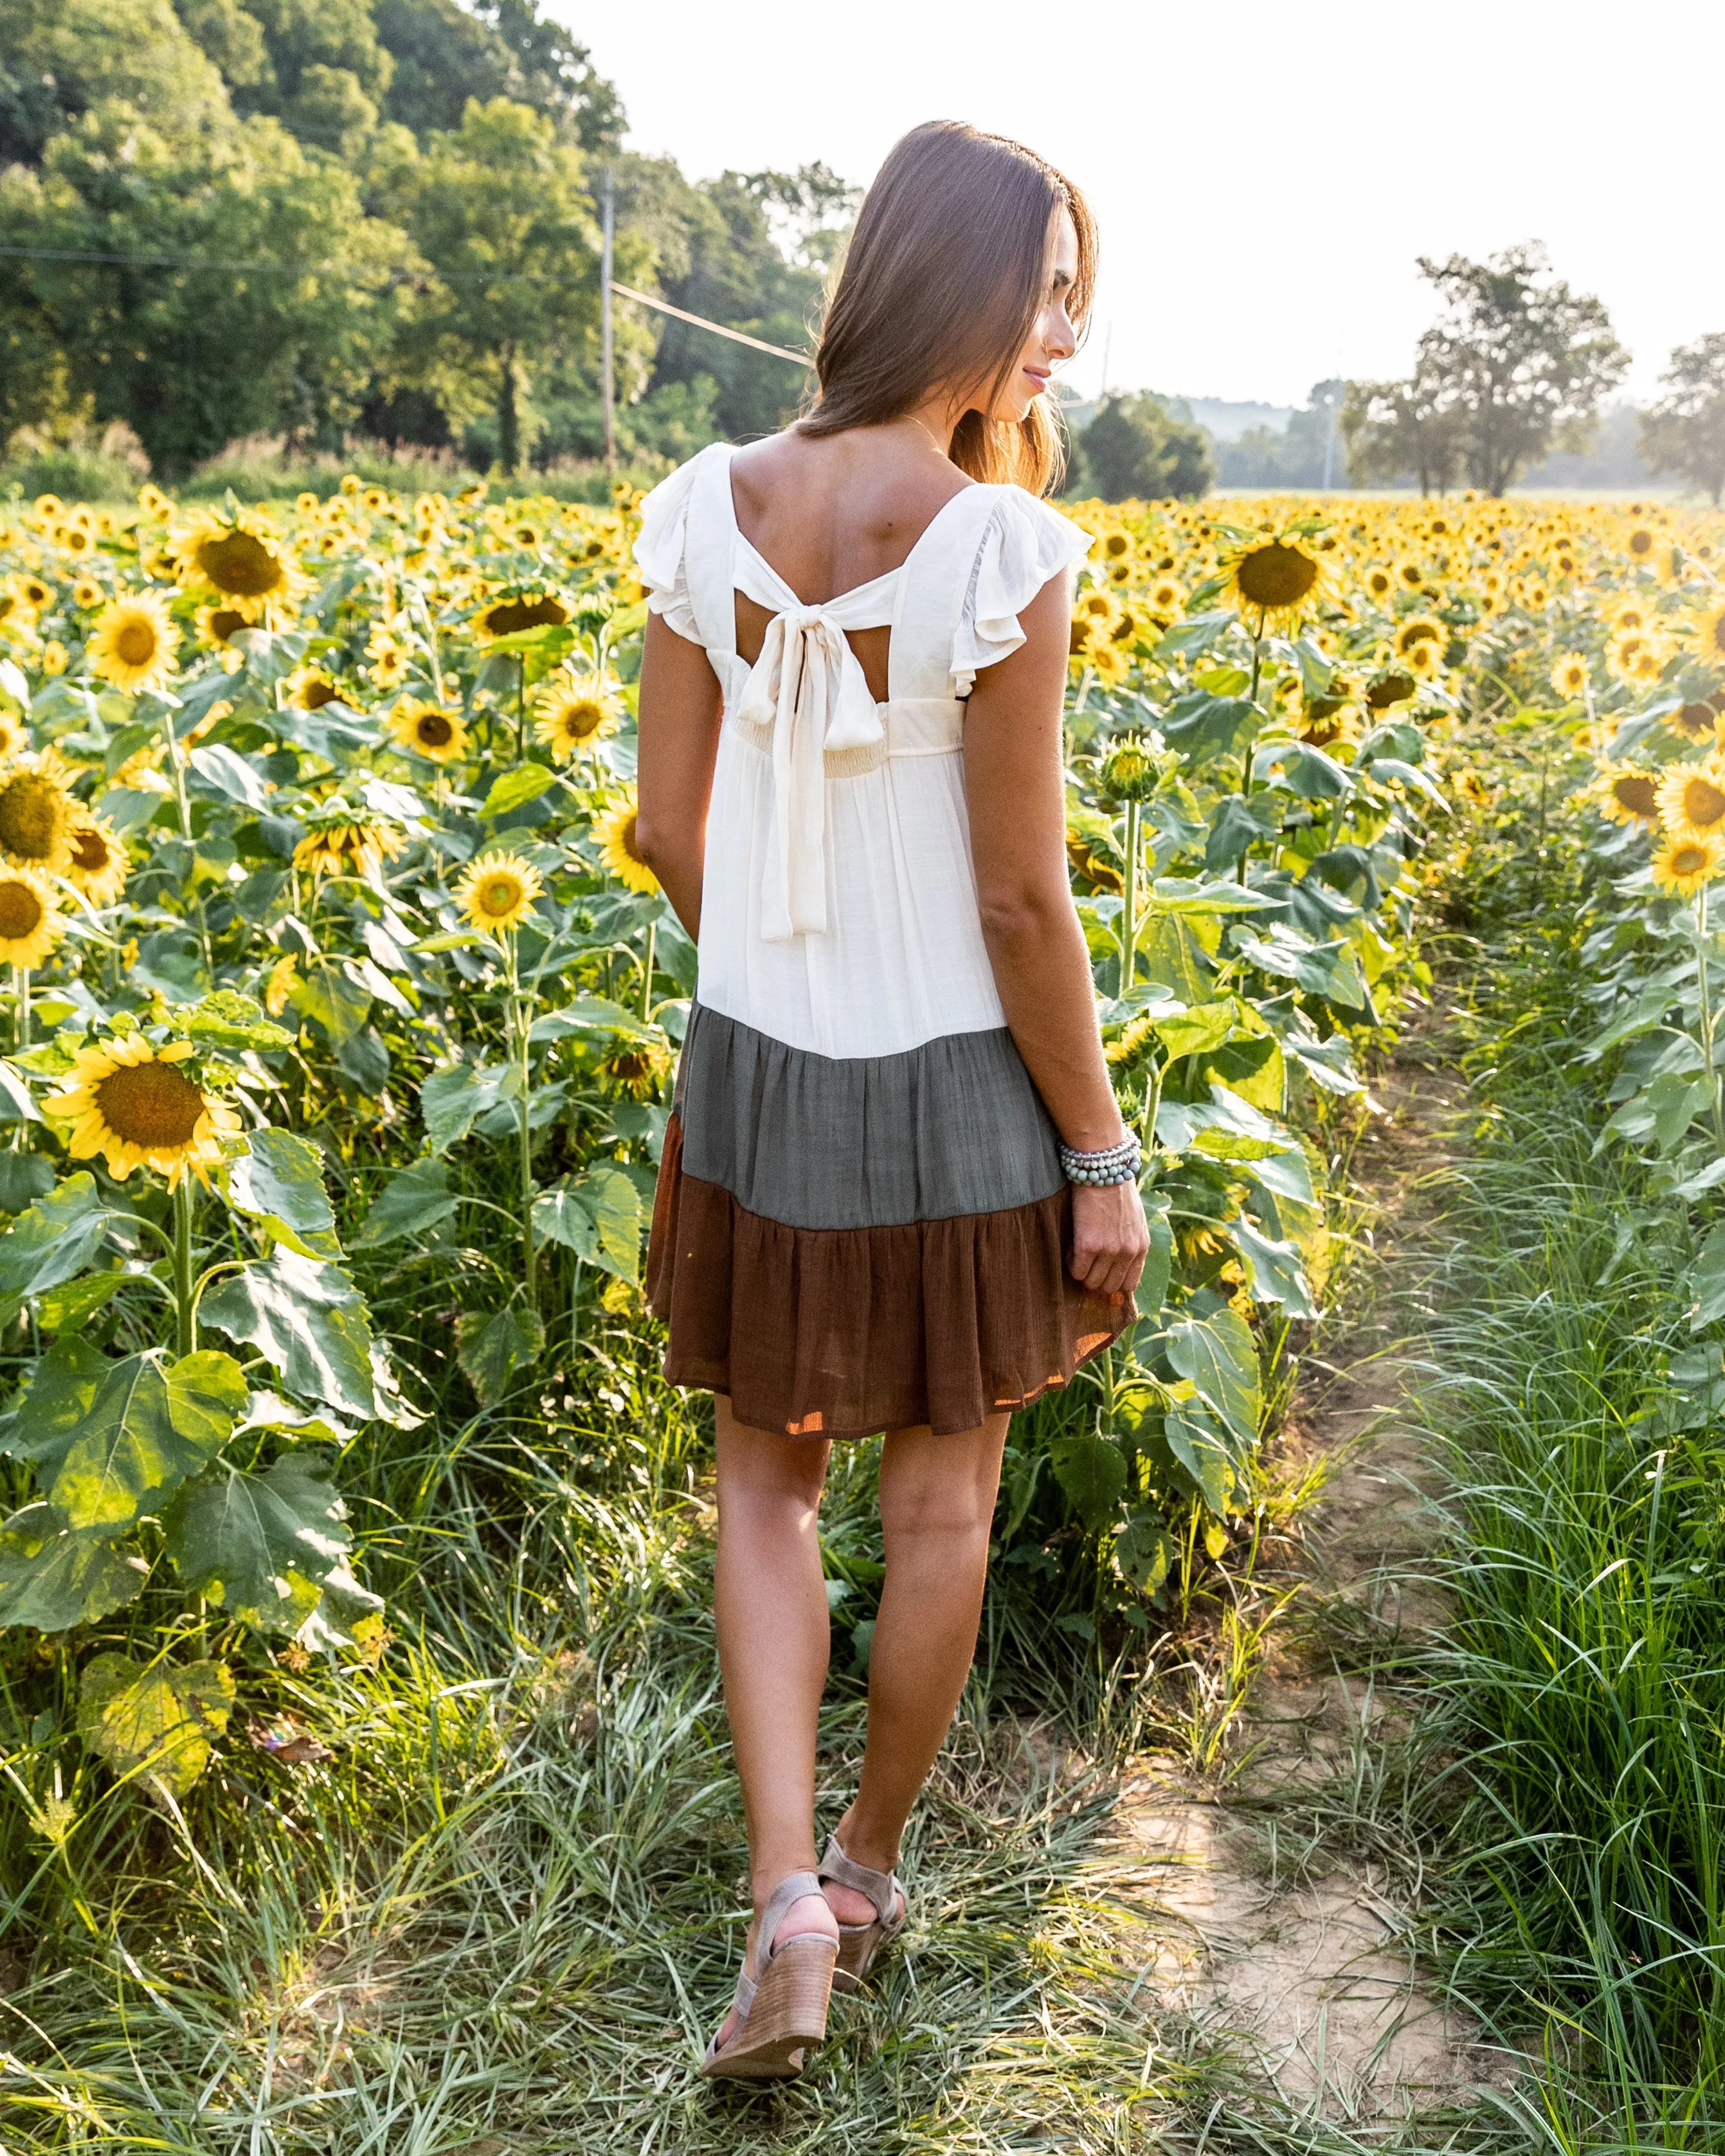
x: 1226, y: 422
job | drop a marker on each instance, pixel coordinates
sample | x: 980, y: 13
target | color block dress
x: 862, y: 1222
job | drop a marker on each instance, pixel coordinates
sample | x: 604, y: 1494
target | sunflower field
x: 341, y: 1019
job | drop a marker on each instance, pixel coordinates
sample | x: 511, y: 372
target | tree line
x: 227, y: 218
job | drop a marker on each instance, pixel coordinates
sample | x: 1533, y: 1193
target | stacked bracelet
x: 1115, y: 1163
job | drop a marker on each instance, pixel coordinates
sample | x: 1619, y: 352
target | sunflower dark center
x: 1637, y: 794
x: 137, y: 641
x: 434, y: 729
x: 316, y: 695
x: 626, y: 838
x: 581, y: 719
x: 30, y: 818
x: 1688, y: 859
x: 1641, y: 543
x: 239, y: 564
x: 91, y: 851
x: 499, y: 894
x: 224, y: 621
x: 510, y: 616
x: 1390, y: 689
x: 1703, y: 803
x: 1276, y: 576
x: 20, y: 911
x: 150, y: 1104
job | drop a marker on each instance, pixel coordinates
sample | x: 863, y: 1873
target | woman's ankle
x: 866, y: 1844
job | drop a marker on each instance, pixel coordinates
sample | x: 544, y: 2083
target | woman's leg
x: 770, y: 1603
x: 936, y: 1509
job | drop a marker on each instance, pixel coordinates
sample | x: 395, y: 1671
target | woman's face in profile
x: 1052, y: 339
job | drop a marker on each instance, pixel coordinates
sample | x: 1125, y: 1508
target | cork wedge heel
x: 860, y: 1945
x: 783, y: 2010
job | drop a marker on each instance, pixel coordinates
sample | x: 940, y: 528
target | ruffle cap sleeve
x: 662, y: 545
x: 1023, y: 544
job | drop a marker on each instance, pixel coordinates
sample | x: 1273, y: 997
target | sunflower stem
x: 647, y: 973
x: 177, y: 766
x: 521, y: 1025
x: 521, y: 706
x: 1245, y: 775
x: 185, y: 1301
x: 1706, y: 1016
x: 1129, y: 908
x: 21, y: 983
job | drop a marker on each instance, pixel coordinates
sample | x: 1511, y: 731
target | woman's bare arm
x: 1016, y: 789
x: 680, y: 712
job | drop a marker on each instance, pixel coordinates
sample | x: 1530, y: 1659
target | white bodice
x: 838, y: 909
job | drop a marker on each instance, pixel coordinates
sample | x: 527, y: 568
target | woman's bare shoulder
x: 877, y: 475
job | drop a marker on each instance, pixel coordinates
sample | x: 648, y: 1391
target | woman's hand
x: 1110, y: 1238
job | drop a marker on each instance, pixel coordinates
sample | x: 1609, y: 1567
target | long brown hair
x: 943, y: 281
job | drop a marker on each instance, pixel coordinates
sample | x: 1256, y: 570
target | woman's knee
x: 944, y: 1487
x: 760, y: 1469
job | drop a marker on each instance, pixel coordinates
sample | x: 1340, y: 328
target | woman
x: 897, y: 1195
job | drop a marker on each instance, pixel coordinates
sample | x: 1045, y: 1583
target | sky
x: 1264, y: 175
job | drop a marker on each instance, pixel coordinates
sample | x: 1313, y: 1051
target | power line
x: 446, y: 276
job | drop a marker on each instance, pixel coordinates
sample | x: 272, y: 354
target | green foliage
x: 1134, y: 447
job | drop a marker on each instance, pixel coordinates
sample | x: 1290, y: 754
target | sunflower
x: 428, y: 730
x: 129, y: 1102
x: 1166, y: 600
x: 1274, y: 578
x: 140, y: 772
x: 343, y: 841
x: 14, y: 737
x: 153, y: 503
x: 1416, y: 630
x: 36, y: 812
x: 1631, y: 611
x: 619, y: 851
x: 1683, y: 865
x: 1571, y: 677
x: 133, y: 644
x: 87, y: 593
x: 310, y: 687
x: 1379, y: 584
x: 216, y: 625
x: 1091, y: 849
x: 389, y: 669
x: 510, y: 615
x: 1694, y: 722
x: 53, y: 657
x: 30, y: 922
x: 498, y: 891
x: 98, y: 864
x: 575, y: 710
x: 1692, y: 798
x: 1472, y: 787
x: 1630, y: 652
x: 636, y: 1067
x: 1393, y: 686
x: 241, y: 559
x: 280, y: 984
x: 1708, y: 637
x: 36, y: 593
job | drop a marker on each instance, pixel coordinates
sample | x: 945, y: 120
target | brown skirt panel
x: 847, y: 1331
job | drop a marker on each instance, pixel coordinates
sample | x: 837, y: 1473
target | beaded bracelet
x: 1115, y: 1163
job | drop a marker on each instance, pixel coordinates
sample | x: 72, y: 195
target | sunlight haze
x: 1262, y: 195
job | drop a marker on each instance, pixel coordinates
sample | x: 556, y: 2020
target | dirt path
x: 1286, y: 1897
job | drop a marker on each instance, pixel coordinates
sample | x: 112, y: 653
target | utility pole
x: 1332, y: 400
x: 608, y: 225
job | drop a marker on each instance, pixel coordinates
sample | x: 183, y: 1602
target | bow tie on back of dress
x: 809, y: 687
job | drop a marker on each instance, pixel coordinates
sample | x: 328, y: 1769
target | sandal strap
x: 881, y: 1887
x: 795, y: 1887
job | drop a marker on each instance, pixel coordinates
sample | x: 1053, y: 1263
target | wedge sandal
x: 859, y: 1945
x: 783, y: 2009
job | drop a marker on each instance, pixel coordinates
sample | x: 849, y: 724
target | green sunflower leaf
x: 307, y: 1320
x: 109, y: 1439
x: 1092, y: 1470
x: 414, y: 1199
x: 492, y: 1351
x: 53, y: 1576
x: 57, y: 1237
x: 598, y: 1216
x: 161, y: 1718
x: 278, y: 1182
x: 259, y: 1546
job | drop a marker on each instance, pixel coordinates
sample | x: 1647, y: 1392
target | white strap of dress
x: 809, y: 687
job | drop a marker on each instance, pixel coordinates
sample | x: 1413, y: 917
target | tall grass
x: 1584, y: 1681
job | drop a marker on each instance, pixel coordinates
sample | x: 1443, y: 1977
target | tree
x: 1396, y: 430
x: 57, y: 61
x: 1516, y: 358
x: 189, y: 356
x: 501, y: 211
x: 1304, y: 454
x: 752, y: 250
x: 1684, y: 433
x: 1134, y: 448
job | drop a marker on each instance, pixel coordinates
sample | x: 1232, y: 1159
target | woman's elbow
x: 1018, y: 913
